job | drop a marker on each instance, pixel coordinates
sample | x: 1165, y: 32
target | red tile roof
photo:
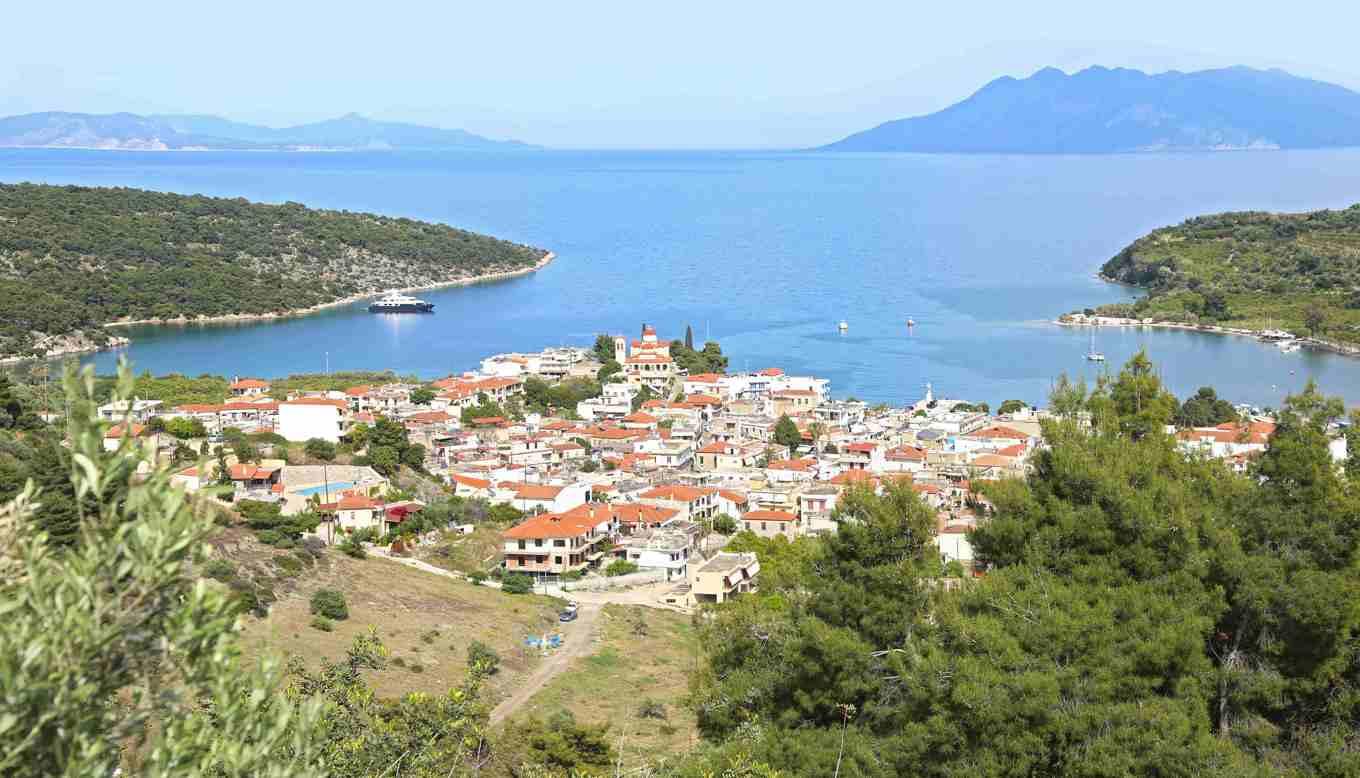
x: 768, y: 516
x: 677, y: 493
x: 250, y: 383
x: 798, y: 465
x: 341, y: 404
x: 998, y: 431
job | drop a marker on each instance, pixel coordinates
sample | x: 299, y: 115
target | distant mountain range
x: 1099, y: 110
x: 132, y: 131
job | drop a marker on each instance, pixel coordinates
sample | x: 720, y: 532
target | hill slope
x: 131, y: 131
x: 1294, y: 271
x: 1100, y: 110
x: 72, y: 258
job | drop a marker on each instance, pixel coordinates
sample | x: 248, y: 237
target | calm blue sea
x: 764, y: 251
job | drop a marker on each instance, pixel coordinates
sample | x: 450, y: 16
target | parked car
x: 567, y: 615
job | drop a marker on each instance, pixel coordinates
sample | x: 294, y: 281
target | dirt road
x: 578, y: 640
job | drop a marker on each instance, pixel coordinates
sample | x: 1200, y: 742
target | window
x: 557, y: 560
x: 521, y: 545
x: 559, y: 543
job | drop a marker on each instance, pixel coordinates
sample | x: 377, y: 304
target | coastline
x: 1320, y: 344
x: 118, y: 341
x: 350, y: 300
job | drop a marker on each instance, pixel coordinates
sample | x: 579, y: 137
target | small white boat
x: 1093, y: 355
x: 843, y: 326
x: 1289, y: 346
x: 911, y: 322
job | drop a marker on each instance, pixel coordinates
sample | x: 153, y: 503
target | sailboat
x: 1093, y: 355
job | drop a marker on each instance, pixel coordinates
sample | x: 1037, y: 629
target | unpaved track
x: 578, y: 639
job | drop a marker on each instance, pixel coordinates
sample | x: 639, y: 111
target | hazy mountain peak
x: 1102, y: 110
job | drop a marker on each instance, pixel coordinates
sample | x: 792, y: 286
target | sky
x: 699, y: 74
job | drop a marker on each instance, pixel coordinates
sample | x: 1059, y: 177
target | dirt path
x: 578, y: 639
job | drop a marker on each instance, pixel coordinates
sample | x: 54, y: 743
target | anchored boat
x: 394, y: 302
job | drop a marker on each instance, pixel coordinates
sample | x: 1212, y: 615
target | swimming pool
x: 335, y: 487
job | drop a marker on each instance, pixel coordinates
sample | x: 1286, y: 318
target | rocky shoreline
x: 1082, y: 320
x: 80, y: 343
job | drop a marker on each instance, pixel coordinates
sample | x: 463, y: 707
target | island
x: 1271, y: 274
x: 76, y: 259
x: 1113, y: 110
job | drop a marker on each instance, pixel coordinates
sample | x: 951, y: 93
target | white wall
x: 303, y: 422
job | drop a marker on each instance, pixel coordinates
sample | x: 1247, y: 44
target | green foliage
x: 1011, y: 406
x: 708, y: 360
x: 78, y: 257
x: 482, y: 658
x: 429, y: 735
x: 973, y: 408
x: 289, y: 565
x: 219, y: 570
x: 620, y: 567
x: 423, y: 395
x: 322, y: 623
x: 786, y: 433
x: 517, y: 583
x: 559, y: 746
x: 185, y: 428
x: 330, y: 603
x: 319, y: 449
x: 353, y: 544
x: 608, y: 368
x: 643, y: 396
x: 113, y: 648
x: 540, y: 396
x: 1296, y: 271
x: 1205, y: 409
x: 603, y: 348
x: 486, y: 408
x: 724, y: 524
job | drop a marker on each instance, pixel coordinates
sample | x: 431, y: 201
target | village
x: 639, y: 486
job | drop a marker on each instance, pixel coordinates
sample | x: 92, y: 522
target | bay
x: 765, y: 252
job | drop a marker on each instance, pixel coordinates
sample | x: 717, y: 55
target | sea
x: 764, y: 252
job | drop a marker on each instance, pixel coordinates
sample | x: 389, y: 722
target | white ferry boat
x: 394, y: 302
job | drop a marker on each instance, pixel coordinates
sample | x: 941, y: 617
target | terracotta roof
x: 702, y: 400
x: 1012, y: 451
x: 768, y: 516
x: 907, y: 454
x: 341, y: 404
x: 770, y: 372
x: 467, y: 480
x: 731, y: 496
x: 794, y: 393
x: 992, y: 460
x: 704, y: 378
x: 853, y: 477
x: 116, y: 431
x: 573, y: 523
x: 198, y: 408
x: 429, y: 417
x: 998, y: 431
x: 676, y: 493
x: 639, y: 417
x: 861, y: 448
x: 358, y: 391
x: 718, y: 447
x: 799, y: 465
x: 638, y: 513
x: 250, y: 383
x: 251, y: 472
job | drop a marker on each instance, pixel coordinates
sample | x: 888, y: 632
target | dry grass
x: 425, y: 622
x: 627, y: 669
x: 467, y: 553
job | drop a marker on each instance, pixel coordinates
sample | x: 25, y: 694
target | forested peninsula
x: 1250, y: 270
x: 75, y: 258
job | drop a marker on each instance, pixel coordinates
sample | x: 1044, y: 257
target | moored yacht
x: 395, y: 302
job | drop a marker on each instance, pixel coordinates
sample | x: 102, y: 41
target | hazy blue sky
x: 729, y: 74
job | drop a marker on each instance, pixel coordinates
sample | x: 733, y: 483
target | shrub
x: 517, y: 583
x: 724, y: 524
x: 399, y: 661
x: 219, y: 570
x: 330, y: 603
x: 322, y: 623
x: 483, y: 658
x: 247, y: 601
x: 572, y: 575
x: 430, y: 636
x: 416, y: 668
x: 285, y: 542
x: 620, y: 567
x: 268, y: 537
x: 305, y: 557
x: 652, y: 709
x: 314, y: 545
x: 289, y: 564
x: 476, y: 577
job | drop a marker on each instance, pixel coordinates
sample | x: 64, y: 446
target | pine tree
x: 689, y: 337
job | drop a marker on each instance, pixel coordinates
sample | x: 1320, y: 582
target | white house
x: 313, y: 417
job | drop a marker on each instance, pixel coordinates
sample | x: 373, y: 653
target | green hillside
x: 1299, y: 272
x: 72, y: 258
